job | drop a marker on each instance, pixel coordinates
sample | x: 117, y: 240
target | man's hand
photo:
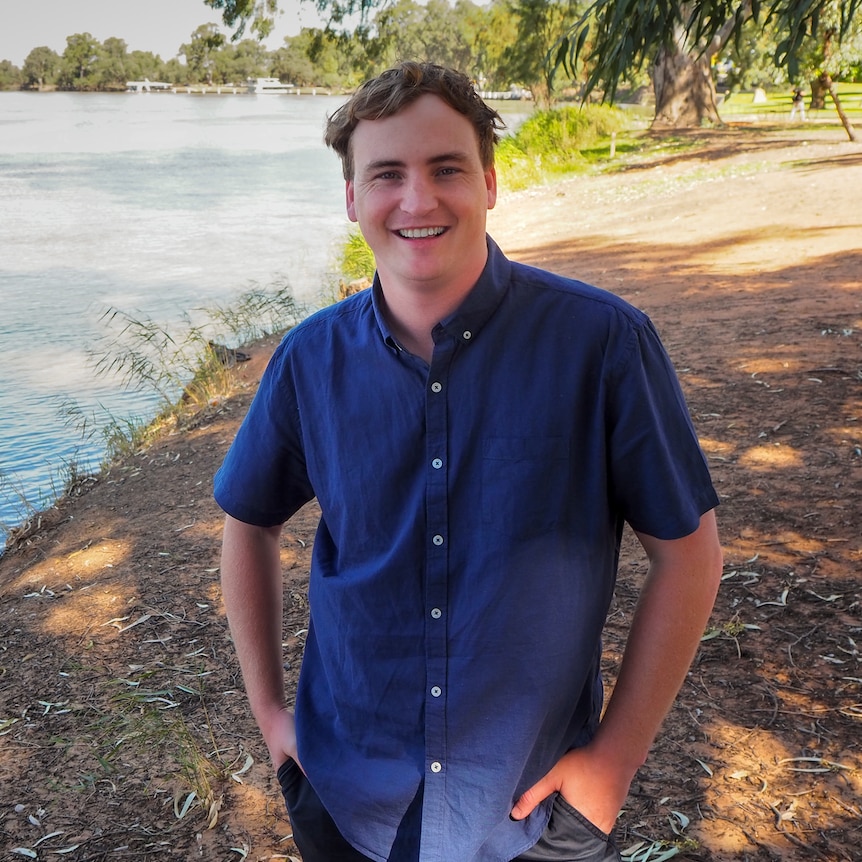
x: 279, y: 734
x: 588, y: 781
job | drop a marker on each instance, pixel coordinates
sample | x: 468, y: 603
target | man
x: 476, y: 433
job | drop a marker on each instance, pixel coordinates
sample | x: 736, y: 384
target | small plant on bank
x: 31, y: 520
x: 76, y: 479
x: 356, y: 260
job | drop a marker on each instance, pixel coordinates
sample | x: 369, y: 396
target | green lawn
x: 777, y: 106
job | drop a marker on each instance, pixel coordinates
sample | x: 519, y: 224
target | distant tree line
x: 503, y: 44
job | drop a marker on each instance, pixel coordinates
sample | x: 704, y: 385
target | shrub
x: 553, y: 142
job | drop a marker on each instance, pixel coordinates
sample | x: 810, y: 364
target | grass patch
x: 775, y: 105
x: 152, y: 720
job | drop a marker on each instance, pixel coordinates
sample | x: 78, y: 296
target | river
x: 152, y: 204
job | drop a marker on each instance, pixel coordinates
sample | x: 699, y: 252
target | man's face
x: 421, y: 196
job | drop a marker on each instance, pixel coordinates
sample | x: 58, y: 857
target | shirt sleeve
x: 263, y: 479
x: 659, y: 475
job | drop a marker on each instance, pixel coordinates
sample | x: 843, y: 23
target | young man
x: 476, y: 433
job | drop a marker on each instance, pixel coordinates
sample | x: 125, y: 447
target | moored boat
x: 269, y: 86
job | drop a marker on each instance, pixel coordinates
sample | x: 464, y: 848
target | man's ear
x: 351, y: 203
x: 491, y: 185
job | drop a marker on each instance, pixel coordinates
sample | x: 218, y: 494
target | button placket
x: 437, y: 573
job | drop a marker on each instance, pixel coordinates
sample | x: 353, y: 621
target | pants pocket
x: 289, y: 777
x: 314, y: 832
x: 570, y: 837
x: 571, y: 811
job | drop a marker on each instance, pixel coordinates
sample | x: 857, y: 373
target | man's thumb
x: 531, y: 798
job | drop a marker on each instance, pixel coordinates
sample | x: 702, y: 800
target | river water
x: 154, y: 205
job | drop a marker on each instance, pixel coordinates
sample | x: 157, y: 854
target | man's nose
x: 419, y: 196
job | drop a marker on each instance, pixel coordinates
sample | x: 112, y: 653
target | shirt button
x: 437, y: 540
x: 436, y: 691
x: 437, y: 463
x: 436, y: 613
x: 436, y: 766
x: 436, y: 386
x: 467, y: 335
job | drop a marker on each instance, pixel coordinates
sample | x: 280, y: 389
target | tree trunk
x: 818, y: 95
x: 684, y: 89
x: 682, y: 75
x: 829, y: 85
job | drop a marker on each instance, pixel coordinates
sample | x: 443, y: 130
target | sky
x: 160, y: 26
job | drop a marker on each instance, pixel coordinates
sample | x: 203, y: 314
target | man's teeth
x: 421, y: 233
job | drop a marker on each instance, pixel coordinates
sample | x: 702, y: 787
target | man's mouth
x: 421, y: 232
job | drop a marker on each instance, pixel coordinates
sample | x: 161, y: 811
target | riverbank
x: 119, y: 691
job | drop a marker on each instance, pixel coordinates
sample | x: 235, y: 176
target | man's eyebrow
x: 382, y: 164
x: 386, y: 164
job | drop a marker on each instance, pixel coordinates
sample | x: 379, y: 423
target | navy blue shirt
x: 468, y: 546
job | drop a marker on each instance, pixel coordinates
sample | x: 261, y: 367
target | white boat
x: 270, y: 86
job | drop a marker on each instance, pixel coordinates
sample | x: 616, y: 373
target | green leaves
x: 616, y: 36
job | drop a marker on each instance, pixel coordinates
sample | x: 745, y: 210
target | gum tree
x: 678, y: 40
x: 11, y: 77
x: 827, y: 55
x: 79, y: 61
x: 540, y: 24
x: 40, y: 67
x: 199, y: 51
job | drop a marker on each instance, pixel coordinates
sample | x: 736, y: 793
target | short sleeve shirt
x: 468, y: 545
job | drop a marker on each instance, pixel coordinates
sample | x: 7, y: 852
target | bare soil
x: 119, y: 691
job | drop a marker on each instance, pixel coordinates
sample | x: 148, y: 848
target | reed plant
x: 184, y: 367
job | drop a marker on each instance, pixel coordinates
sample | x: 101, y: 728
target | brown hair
x: 398, y: 87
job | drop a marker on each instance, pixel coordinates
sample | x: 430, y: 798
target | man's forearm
x: 672, y: 612
x: 252, y: 589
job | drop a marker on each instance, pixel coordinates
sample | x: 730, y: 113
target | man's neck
x: 412, y: 312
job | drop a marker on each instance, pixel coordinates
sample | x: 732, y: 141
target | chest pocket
x: 526, y: 484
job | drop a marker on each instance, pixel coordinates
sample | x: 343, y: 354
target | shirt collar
x: 478, y: 307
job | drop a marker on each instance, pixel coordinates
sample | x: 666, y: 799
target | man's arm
x: 671, y: 614
x: 251, y: 582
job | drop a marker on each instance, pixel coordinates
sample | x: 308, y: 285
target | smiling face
x: 421, y: 196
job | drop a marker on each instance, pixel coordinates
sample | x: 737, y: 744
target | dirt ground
x: 119, y: 692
